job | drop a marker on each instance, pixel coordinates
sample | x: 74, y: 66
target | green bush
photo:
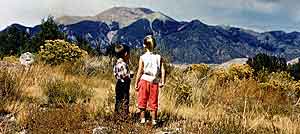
x: 264, y: 62
x: 61, y: 92
x: 294, y: 70
x: 59, y: 51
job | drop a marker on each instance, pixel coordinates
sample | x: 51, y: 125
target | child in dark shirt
x: 123, y: 76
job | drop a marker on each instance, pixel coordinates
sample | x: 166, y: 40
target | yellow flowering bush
x: 280, y: 87
x: 220, y: 75
x: 58, y: 51
x: 198, y: 68
x: 281, y: 81
x: 11, y: 59
x: 240, y: 71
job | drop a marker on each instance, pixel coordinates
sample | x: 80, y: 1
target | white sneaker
x: 154, y: 122
x: 143, y: 121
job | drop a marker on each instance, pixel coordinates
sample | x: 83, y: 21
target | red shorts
x: 148, y: 93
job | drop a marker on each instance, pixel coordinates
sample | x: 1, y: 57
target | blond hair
x: 149, y: 42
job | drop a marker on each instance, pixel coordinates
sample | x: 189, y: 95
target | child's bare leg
x: 142, y: 116
x: 154, y: 114
x: 154, y: 117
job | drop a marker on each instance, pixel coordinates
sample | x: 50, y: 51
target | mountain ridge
x: 123, y: 15
x: 187, y: 42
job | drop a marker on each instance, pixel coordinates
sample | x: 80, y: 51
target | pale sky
x: 259, y: 15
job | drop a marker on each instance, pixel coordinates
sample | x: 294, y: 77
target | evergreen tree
x: 264, y: 62
x: 85, y: 45
x: 294, y: 70
x: 12, y: 41
x: 49, y: 31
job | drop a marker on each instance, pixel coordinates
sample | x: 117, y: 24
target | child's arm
x: 163, y: 72
x: 139, y: 73
x: 115, y: 71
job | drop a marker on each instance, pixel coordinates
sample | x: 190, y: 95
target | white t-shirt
x: 151, y: 67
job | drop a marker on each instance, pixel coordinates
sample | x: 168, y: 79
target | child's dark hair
x: 120, y: 50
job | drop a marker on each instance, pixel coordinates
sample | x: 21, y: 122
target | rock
x: 12, y: 119
x: 101, y: 130
x: 169, y: 131
x: 22, y: 132
x: 27, y: 59
x: 7, y: 117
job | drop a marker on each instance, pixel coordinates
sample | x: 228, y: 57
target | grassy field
x: 78, y: 97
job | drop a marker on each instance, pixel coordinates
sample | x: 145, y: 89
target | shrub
x: 11, y: 59
x: 59, y: 51
x: 281, y: 86
x: 200, y: 70
x: 219, y: 75
x: 279, y: 80
x: 198, y: 67
x: 240, y: 71
x: 60, y: 92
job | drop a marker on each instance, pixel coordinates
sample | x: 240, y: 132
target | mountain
x: 185, y: 42
x: 123, y: 15
x: 94, y: 32
x: 154, y: 23
x: 30, y: 30
x: 67, y: 20
x: 196, y: 42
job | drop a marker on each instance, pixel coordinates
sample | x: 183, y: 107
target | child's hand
x: 136, y: 87
x: 161, y: 84
x: 131, y: 74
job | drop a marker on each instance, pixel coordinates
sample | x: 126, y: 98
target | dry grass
x: 201, y: 100
x: 220, y: 98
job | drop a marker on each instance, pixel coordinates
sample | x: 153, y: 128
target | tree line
x: 14, y: 41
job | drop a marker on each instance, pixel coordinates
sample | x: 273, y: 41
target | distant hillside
x: 185, y: 42
x: 227, y: 64
x: 293, y: 61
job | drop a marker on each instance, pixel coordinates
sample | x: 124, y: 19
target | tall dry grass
x: 234, y: 99
x: 199, y: 99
